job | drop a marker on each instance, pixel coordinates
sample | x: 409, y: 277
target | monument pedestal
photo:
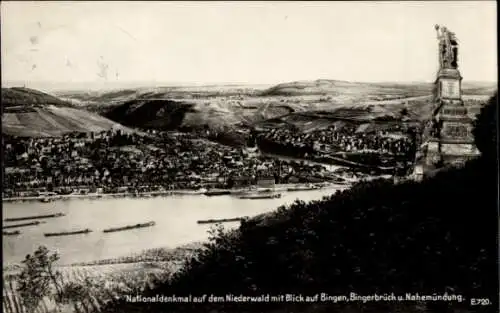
x: 453, y: 125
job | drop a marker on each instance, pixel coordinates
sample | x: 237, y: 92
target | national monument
x: 447, y: 138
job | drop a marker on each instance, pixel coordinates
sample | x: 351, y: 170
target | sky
x: 241, y: 42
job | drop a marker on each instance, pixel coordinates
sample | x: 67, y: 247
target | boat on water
x: 223, y: 220
x: 66, y: 233
x: 217, y: 193
x: 303, y: 188
x: 11, y: 233
x: 22, y: 224
x: 183, y: 192
x: 33, y: 217
x: 261, y: 196
x: 129, y: 227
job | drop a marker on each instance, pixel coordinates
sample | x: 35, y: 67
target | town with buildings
x: 114, y: 162
x: 397, y: 146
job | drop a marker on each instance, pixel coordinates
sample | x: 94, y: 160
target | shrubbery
x: 486, y: 128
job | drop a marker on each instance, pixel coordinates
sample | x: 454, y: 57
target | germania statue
x: 448, y: 48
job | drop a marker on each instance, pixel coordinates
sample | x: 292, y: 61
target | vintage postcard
x: 249, y: 156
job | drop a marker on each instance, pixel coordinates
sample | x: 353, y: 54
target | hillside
x: 159, y: 114
x: 99, y: 100
x: 429, y: 238
x: 18, y: 96
x: 31, y: 113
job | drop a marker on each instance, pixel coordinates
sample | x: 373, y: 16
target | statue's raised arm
x: 439, y: 32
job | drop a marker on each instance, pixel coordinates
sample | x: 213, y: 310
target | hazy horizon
x: 112, y: 44
x: 99, y: 86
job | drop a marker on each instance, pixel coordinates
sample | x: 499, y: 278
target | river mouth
x: 175, y: 220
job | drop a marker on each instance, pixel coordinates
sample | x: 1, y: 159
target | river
x: 175, y: 218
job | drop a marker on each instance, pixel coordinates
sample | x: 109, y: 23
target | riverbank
x: 156, y: 256
x: 235, y: 191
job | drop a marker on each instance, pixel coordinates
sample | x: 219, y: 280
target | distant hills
x: 220, y: 106
x: 233, y: 105
x: 32, y: 113
x: 336, y: 88
x: 376, y: 91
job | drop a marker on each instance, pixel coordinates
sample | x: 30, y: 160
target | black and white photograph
x: 249, y: 157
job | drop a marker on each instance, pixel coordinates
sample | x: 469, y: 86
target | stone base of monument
x: 466, y: 149
x: 439, y: 156
x: 459, y: 153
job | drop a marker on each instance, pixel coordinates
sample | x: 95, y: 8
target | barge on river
x: 11, y: 233
x: 303, y: 188
x: 261, y: 196
x: 217, y: 193
x: 33, y: 217
x: 222, y: 220
x: 22, y: 224
x: 129, y: 227
x: 67, y: 233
